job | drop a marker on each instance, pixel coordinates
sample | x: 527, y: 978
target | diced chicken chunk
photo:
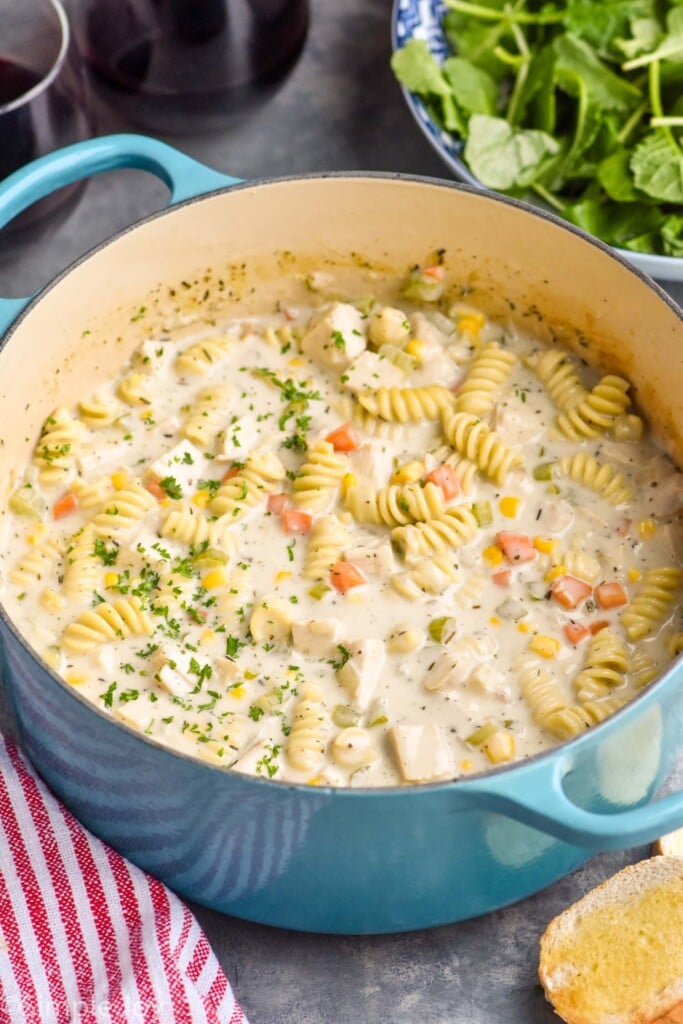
x: 422, y: 752
x: 360, y: 675
x: 488, y: 680
x: 426, y: 330
x: 151, y: 356
x: 183, y: 463
x: 373, y: 559
x: 371, y: 370
x: 556, y: 517
x: 227, y: 670
x: 173, y: 667
x: 317, y: 637
x: 372, y: 464
x: 238, y: 439
x: 337, y: 338
x: 389, y: 326
x: 456, y: 664
x: 517, y: 423
x: 246, y: 762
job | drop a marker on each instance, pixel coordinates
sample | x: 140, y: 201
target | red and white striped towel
x: 86, y: 937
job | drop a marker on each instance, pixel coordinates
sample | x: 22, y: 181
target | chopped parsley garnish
x: 171, y: 487
x: 107, y: 554
x: 232, y: 646
x: 290, y: 550
x: 255, y: 712
x: 344, y: 656
x: 209, y: 485
x: 338, y: 339
x: 128, y: 695
x: 107, y: 697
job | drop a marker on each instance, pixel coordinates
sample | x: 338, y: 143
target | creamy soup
x: 350, y: 543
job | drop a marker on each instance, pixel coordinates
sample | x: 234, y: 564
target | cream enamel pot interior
x: 311, y: 858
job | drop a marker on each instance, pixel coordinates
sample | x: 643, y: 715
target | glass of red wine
x: 43, y: 101
x: 188, y: 65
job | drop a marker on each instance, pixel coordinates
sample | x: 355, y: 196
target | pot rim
x: 375, y: 792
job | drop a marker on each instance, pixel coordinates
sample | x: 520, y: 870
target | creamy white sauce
x: 365, y: 694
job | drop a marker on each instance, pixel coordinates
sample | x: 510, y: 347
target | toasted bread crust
x: 670, y: 845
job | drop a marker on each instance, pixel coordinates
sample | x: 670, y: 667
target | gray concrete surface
x: 340, y: 110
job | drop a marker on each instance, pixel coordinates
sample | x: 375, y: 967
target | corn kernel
x: 348, y: 481
x: 207, y: 636
x: 119, y: 479
x: 509, y: 506
x: 552, y: 574
x: 284, y: 574
x: 75, y: 678
x: 500, y: 747
x: 408, y: 474
x: 237, y: 692
x: 51, y: 658
x: 214, y: 579
x: 111, y: 579
x: 201, y: 499
x: 545, y: 545
x: 315, y: 781
x: 646, y: 528
x: 546, y: 646
x: 634, y: 575
x: 493, y: 555
x: 471, y: 323
x: 52, y: 600
x: 523, y: 627
x: 36, y: 534
x: 146, y: 414
x: 164, y: 502
x: 415, y: 348
x: 494, y: 620
x: 296, y: 362
x: 466, y: 765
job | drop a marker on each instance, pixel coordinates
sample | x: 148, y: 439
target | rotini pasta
x: 558, y: 372
x: 38, y: 561
x: 432, y: 575
x: 125, y: 617
x: 92, y: 493
x: 123, y: 512
x: 258, y: 477
x: 99, y: 411
x: 83, y: 570
x: 56, y: 451
x: 486, y: 376
x: 326, y: 544
x: 408, y: 405
x: 448, y: 532
x: 473, y: 439
x: 547, y: 703
x: 199, y: 358
x: 307, y: 739
x: 605, y: 668
x: 464, y: 469
x: 653, y: 602
x: 188, y: 525
x: 206, y: 416
x: 598, y: 412
x: 395, y: 505
x: 319, y: 478
x: 135, y: 388
x: 602, y: 478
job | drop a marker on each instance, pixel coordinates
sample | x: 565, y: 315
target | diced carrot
x: 155, y: 488
x: 277, y: 503
x: 502, y: 578
x: 437, y: 272
x: 568, y: 591
x: 445, y: 478
x: 294, y: 521
x: 345, y: 575
x: 343, y: 439
x: 517, y: 547
x: 595, y: 627
x: 575, y: 632
x: 65, y: 505
x: 230, y: 473
x: 610, y: 595
x: 624, y: 527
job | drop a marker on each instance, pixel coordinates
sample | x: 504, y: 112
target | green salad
x: 579, y: 102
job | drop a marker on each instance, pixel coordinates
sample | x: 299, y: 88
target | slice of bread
x: 616, y: 956
x: 670, y: 845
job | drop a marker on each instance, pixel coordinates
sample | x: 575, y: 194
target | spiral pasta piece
x: 432, y: 575
x: 473, y: 439
x: 581, y: 565
x: 464, y: 469
x: 83, y: 570
x: 395, y: 505
x: 99, y: 411
x: 58, y: 446
x: 448, y: 532
x: 675, y: 644
x: 123, y: 511
x: 605, y: 667
x: 602, y: 478
x: 199, y: 358
x: 38, y: 561
x: 486, y: 376
x: 547, y: 703
x: 258, y: 477
x: 642, y: 669
x: 319, y: 478
x: 558, y: 373
x: 93, y: 493
x: 186, y: 524
x: 135, y: 388
x: 599, y: 710
x: 125, y: 617
x: 370, y: 425
x: 408, y: 405
x: 653, y: 602
x: 207, y: 415
x: 307, y: 739
x: 326, y: 542
x: 236, y: 594
x: 597, y: 413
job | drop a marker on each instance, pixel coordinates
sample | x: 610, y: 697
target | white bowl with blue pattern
x: 421, y: 19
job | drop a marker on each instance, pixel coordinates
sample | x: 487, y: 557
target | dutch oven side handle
x: 537, y: 797
x: 185, y: 177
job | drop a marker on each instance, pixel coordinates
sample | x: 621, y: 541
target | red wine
x: 183, y: 65
x: 54, y: 117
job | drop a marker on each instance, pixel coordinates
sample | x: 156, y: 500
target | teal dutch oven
x: 304, y: 857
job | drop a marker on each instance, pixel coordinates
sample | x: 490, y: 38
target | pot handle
x: 185, y: 177
x: 537, y: 797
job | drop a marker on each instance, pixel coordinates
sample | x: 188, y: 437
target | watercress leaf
x: 642, y: 243
x: 475, y: 91
x: 537, y: 93
x: 578, y: 68
x: 476, y: 40
x: 614, y: 174
x: 503, y: 157
x: 417, y: 69
x: 657, y: 167
x: 670, y: 48
x: 645, y: 35
x: 672, y: 235
x: 601, y: 23
x: 616, y: 223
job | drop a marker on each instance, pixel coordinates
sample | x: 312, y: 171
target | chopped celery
x: 419, y: 288
x: 483, y: 513
x: 544, y: 471
x: 345, y: 716
x: 365, y: 304
x: 208, y: 558
x: 398, y: 357
x: 318, y: 591
x: 482, y: 734
x: 554, y: 489
x: 377, y: 713
x: 443, y: 629
x: 511, y: 609
x: 25, y: 502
